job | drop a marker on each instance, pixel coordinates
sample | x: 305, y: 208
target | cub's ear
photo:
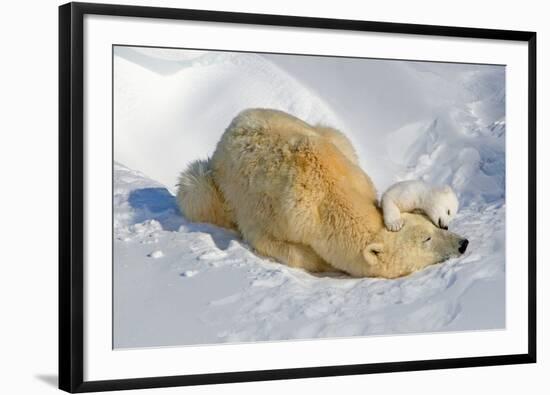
x: 370, y: 253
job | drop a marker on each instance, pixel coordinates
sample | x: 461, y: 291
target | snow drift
x: 170, y: 110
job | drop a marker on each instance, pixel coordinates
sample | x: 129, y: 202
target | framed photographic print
x: 253, y: 197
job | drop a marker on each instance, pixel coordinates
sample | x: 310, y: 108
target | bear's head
x: 417, y: 245
x: 442, y: 206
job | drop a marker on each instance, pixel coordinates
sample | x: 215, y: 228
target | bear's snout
x: 442, y: 226
x: 463, y: 245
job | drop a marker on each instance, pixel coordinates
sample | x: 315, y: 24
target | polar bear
x: 440, y: 204
x: 296, y: 194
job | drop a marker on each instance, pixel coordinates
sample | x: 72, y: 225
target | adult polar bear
x: 296, y: 193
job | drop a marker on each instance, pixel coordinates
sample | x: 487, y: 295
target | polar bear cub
x: 440, y: 204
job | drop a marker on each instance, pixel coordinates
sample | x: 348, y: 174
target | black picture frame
x: 71, y: 196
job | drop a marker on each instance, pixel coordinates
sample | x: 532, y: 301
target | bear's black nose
x: 463, y: 245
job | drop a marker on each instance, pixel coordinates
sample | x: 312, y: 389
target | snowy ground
x: 177, y: 282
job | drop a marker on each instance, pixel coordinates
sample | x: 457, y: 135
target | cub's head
x: 442, y: 206
x: 417, y: 245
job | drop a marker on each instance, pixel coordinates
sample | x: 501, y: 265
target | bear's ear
x: 370, y: 253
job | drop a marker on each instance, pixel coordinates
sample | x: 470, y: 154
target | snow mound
x: 209, y: 287
x: 461, y: 144
x: 185, y: 99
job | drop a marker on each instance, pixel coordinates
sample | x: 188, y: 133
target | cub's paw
x: 394, y: 225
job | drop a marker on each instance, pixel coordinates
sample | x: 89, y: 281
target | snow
x: 181, y: 283
x: 156, y: 254
x: 178, y: 108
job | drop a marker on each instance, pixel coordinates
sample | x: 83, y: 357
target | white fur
x: 440, y: 204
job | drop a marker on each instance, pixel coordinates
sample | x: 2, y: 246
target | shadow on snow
x: 160, y: 205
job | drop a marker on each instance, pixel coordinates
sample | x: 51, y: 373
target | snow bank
x: 172, y: 109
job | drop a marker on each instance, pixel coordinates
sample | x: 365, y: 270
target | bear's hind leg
x: 293, y: 255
